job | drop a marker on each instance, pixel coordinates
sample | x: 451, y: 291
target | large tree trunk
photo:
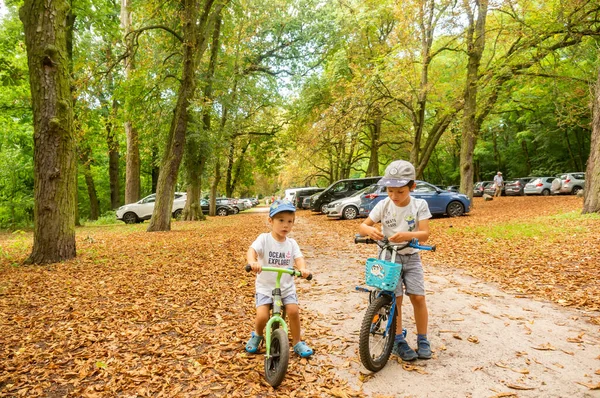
x: 133, y: 164
x: 470, y: 130
x: 591, y: 192
x: 195, y: 149
x: 194, y: 44
x: 55, y: 166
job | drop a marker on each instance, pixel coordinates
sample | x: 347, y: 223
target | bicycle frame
x: 276, y: 317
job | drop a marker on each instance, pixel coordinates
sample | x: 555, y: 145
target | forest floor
x: 512, y: 291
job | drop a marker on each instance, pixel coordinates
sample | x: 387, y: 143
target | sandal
x: 253, y: 344
x: 303, y: 349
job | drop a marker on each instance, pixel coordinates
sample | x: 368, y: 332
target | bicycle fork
x: 275, y: 320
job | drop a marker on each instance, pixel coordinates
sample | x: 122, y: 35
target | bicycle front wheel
x: 375, y: 342
x: 277, y: 362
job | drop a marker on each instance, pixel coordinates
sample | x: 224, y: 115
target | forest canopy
x: 300, y: 93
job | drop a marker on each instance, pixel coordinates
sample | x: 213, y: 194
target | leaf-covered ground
x: 167, y: 314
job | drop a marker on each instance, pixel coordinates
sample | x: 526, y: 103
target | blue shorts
x: 261, y: 299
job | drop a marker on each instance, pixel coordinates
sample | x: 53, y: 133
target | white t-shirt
x: 400, y: 219
x: 272, y: 253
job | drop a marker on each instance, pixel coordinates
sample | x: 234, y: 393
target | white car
x: 570, y: 183
x: 142, y: 210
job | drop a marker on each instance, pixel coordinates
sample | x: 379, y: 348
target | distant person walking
x: 499, y: 182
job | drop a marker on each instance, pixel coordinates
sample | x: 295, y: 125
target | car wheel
x: 221, y: 212
x: 455, y: 209
x: 546, y: 192
x: 556, y: 185
x: 130, y: 218
x: 177, y: 214
x: 350, y: 213
x: 236, y: 210
x: 575, y: 190
x: 324, y: 208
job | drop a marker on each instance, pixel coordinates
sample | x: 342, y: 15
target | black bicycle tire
x: 375, y: 364
x: 276, y: 365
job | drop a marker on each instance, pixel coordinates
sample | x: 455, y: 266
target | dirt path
x: 486, y: 342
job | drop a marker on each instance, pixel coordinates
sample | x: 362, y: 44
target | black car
x: 222, y: 209
x: 516, y: 187
x: 338, y: 190
x: 304, y: 193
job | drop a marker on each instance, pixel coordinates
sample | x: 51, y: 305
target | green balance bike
x: 277, y: 354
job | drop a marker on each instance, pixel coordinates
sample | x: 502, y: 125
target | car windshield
x: 369, y: 189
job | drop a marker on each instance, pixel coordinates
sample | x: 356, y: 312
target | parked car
x: 289, y: 193
x: 539, y: 186
x: 479, y: 187
x: 222, y: 209
x: 237, y: 207
x: 347, y: 208
x: 142, y: 210
x: 570, y: 183
x: 299, y: 196
x: 338, y: 190
x: 453, y: 188
x: 306, y: 203
x: 439, y: 201
x: 516, y: 187
x: 490, y: 189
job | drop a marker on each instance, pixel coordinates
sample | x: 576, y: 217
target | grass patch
x: 548, y: 227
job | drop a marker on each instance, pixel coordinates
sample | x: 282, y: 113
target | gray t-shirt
x: 272, y: 253
x: 400, y: 219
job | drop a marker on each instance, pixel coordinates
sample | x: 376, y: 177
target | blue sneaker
x: 403, y: 350
x: 424, y: 349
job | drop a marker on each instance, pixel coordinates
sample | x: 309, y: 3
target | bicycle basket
x: 382, y: 274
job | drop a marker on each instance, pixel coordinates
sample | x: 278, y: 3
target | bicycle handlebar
x: 293, y: 272
x: 414, y: 243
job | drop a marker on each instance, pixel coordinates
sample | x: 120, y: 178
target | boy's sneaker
x: 424, y: 349
x: 403, y: 350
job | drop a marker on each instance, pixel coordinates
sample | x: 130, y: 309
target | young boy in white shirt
x: 275, y: 249
x: 404, y: 218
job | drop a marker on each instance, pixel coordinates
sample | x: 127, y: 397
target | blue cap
x: 281, y: 205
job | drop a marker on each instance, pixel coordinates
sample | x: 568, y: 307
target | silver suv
x: 568, y: 183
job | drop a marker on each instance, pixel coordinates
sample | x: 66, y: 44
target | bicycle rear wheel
x: 276, y: 364
x: 375, y: 343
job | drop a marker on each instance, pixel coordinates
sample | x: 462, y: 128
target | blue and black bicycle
x: 378, y: 327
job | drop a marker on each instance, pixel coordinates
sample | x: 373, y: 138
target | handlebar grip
x: 248, y: 268
x: 309, y: 277
x: 363, y: 239
x: 433, y: 248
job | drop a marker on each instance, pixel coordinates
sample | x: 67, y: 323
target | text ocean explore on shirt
x: 278, y: 254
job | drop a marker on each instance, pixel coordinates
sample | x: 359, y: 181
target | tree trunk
x: 89, y: 182
x: 113, y: 160
x: 373, y: 167
x: 194, y: 44
x: 55, y: 166
x: 213, y: 190
x: 133, y: 164
x: 470, y: 130
x: 591, y: 192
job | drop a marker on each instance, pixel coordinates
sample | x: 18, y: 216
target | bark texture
x: 591, y: 192
x: 133, y: 164
x: 45, y: 24
x: 470, y: 130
